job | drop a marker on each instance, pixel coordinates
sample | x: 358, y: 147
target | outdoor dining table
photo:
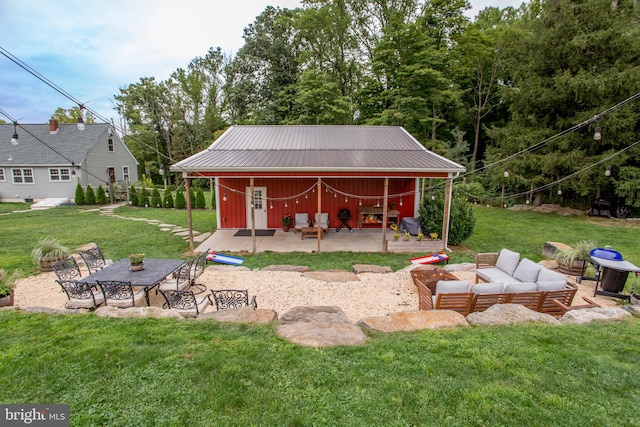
x: 154, y: 272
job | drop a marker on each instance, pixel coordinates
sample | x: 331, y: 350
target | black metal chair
x: 185, y: 302
x: 81, y: 295
x: 232, y: 298
x: 198, y: 265
x: 94, y: 259
x: 121, y: 294
x: 179, y: 281
x: 67, y: 269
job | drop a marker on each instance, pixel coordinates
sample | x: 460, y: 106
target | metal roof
x: 37, y: 146
x: 316, y: 148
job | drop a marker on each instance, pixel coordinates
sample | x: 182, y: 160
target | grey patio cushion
x: 493, y: 274
x: 452, y: 286
x: 520, y: 287
x: 547, y: 275
x: 487, y: 288
x: 508, y: 261
x: 527, y: 271
x: 551, y: 285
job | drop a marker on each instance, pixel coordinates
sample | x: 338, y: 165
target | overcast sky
x: 91, y: 49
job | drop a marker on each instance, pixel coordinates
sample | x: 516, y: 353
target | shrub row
x: 146, y: 198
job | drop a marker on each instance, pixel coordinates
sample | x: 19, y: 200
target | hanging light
x: 14, y: 138
x: 297, y: 201
x: 224, y: 197
x: 161, y: 170
x: 270, y: 205
x: 433, y: 197
x: 400, y: 201
x: 598, y: 133
x: 559, y: 189
x: 506, y: 172
x: 285, y: 204
x: 607, y: 171
x: 527, y: 201
x: 346, y: 199
x: 359, y: 202
x: 377, y: 203
x: 81, y: 119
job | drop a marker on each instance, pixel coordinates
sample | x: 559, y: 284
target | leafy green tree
x: 101, y: 196
x: 133, y: 196
x: 180, y: 201
x: 167, y: 201
x: 90, y: 196
x: 156, y: 200
x: 79, y: 198
x: 461, y: 222
x: 71, y: 115
x: 200, y: 200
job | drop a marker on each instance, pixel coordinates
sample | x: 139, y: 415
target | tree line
x: 476, y: 91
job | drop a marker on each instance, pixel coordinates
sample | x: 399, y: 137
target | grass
x: 163, y: 372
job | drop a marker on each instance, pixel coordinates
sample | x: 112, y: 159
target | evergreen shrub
x: 79, y: 200
x: 90, y: 196
x: 461, y: 222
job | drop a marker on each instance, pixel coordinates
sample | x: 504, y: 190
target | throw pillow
x: 508, y: 261
x: 527, y: 271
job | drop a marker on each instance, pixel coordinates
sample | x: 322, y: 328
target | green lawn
x: 163, y: 372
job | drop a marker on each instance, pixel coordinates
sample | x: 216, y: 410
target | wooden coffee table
x: 310, y: 232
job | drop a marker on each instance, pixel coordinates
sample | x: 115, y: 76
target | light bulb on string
x: 270, y: 205
x: 297, y: 201
x: 359, y: 202
x: 285, y: 204
x: 14, y: 137
x: 506, y: 172
x: 400, y: 201
x: 335, y: 195
x: 598, y: 133
x: 346, y: 200
x: 224, y: 197
x: 559, y: 189
x: 433, y: 197
x: 607, y: 171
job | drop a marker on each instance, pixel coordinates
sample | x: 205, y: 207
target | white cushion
x: 547, y: 275
x: 508, y: 261
x: 520, y: 287
x: 487, y: 288
x: 301, y: 220
x: 552, y: 285
x: 527, y: 271
x: 452, y: 286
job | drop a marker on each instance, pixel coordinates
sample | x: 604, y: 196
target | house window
x: 22, y: 176
x: 59, y: 174
x: 2, y: 177
x: 125, y: 173
x: 111, y: 145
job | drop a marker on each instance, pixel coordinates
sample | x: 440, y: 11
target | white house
x: 49, y: 160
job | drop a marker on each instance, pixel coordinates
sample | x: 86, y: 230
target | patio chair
x: 185, y: 302
x: 81, y: 295
x: 179, y: 281
x: 121, y: 294
x: 323, y: 221
x: 94, y: 259
x: 300, y: 221
x: 67, y: 269
x: 232, y: 298
x: 197, y: 268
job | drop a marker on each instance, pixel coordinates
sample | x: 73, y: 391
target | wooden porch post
x: 385, y: 201
x: 448, y: 188
x: 253, y: 214
x: 187, y: 187
x: 318, y: 225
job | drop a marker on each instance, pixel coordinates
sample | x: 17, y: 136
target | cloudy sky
x: 91, y: 49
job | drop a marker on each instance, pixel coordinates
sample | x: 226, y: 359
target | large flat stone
x: 241, y: 315
x: 286, y: 267
x: 109, y: 311
x: 332, y: 276
x: 370, y: 268
x: 415, y: 320
x: 319, y: 326
x: 587, y: 315
x: 507, y: 314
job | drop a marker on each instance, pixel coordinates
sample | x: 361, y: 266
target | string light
x: 506, y: 172
x: 400, y: 200
x: 607, y: 171
x: 559, y: 189
x: 224, y: 197
x: 81, y: 119
x: 598, y: 133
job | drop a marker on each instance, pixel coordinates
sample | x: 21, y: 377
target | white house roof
x: 316, y: 148
x: 37, y: 146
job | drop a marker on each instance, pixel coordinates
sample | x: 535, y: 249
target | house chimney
x: 53, y: 126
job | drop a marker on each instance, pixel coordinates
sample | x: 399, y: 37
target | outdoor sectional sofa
x: 503, y: 278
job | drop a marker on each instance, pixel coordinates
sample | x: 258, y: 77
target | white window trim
x: 126, y: 176
x: 33, y: 177
x: 60, y: 175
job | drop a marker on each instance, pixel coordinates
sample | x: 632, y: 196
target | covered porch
x: 369, y: 240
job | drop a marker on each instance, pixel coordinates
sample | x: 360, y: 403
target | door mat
x: 244, y: 233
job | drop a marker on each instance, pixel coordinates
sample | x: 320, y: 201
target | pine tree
x: 101, y: 196
x: 79, y: 195
x: 180, y: 202
x: 133, y: 196
x: 200, y: 202
x: 143, y: 199
x: 168, y: 200
x: 156, y: 200
x: 90, y: 196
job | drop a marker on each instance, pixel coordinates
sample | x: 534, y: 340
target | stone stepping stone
x: 319, y: 326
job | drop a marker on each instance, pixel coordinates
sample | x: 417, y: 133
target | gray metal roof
x: 36, y: 146
x: 316, y: 148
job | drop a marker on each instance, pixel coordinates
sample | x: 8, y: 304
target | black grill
x: 344, y: 215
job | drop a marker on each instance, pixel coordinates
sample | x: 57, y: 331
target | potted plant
x: 7, y: 284
x: 136, y: 262
x: 48, y: 251
x: 286, y: 222
x: 572, y: 261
